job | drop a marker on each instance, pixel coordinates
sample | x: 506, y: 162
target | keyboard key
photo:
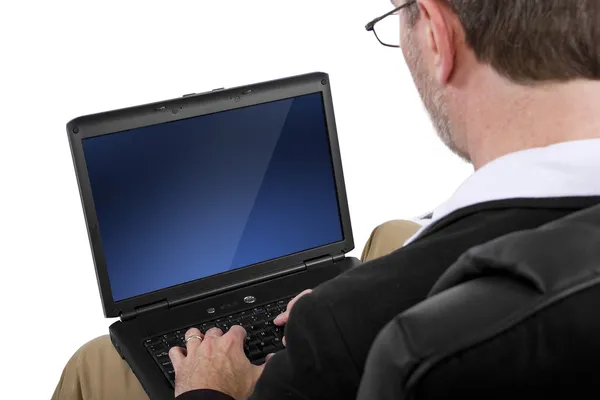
x: 205, y: 327
x: 260, y: 334
x: 171, y: 376
x: 268, y: 339
x: 224, y: 326
x: 266, y: 324
x: 272, y: 308
x: 254, y: 353
x: 255, y: 318
x: 269, y: 349
x: 259, y: 310
x: 158, y: 347
x: 172, y: 342
x: 276, y: 329
x: 152, y: 341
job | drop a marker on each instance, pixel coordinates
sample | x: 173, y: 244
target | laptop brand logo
x: 249, y: 299
x: 228, y: 305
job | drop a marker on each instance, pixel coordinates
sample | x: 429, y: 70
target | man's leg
x: 97, y: 372
x: 387, y: 238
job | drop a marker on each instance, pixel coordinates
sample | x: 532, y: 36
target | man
x: 512, y: 86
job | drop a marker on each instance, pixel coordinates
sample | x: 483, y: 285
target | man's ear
x: 440, y: 37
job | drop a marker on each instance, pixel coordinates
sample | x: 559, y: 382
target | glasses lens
x: 388, y: 30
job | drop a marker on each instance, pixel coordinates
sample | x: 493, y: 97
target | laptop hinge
x: 315, y: 262
x: 162, y: 304
x: 339, y: 257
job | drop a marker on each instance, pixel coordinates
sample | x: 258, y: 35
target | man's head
x: 457, y: 49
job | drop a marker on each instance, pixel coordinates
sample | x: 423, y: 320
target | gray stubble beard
x: 433, y: 97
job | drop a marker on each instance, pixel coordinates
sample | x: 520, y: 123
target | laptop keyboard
x: 262, y: 337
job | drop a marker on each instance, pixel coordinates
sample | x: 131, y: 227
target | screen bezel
x: 188, y: 107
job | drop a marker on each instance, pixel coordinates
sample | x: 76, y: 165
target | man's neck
x: 513, y: 117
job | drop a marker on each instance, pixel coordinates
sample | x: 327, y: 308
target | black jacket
x: 514, y: 318
x: 331, y: 330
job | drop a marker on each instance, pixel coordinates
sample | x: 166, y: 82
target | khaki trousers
x: 97, y: 372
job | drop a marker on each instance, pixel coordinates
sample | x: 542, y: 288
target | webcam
x: 324, y: 82
x: 76, y: 130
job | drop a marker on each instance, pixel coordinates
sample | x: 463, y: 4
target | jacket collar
x: 573, y: 204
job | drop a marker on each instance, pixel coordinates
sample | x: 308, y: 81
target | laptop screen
x: 184, y: 200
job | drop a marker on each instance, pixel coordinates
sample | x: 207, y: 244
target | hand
x: 283, y: 318
x: 216, y: 362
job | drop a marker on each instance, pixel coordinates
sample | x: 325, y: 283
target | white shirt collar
x: 568, y: 169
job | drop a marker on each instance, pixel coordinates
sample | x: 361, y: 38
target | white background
x: 62, y: 59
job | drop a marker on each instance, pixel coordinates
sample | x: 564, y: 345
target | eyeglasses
x: 388, y: 29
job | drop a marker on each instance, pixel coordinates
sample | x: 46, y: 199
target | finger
x: 176, y: 354
x: 216, y: 332
x: 283, y: 341
x: 192, y: 343
x: 268, y: 357
x: 282, y: 318
x: 239, y: 335
x: 295, y: 299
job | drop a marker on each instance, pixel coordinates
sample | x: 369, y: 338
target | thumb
x: 257, y: 371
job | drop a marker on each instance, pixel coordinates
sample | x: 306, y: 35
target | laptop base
x: 128, y: 337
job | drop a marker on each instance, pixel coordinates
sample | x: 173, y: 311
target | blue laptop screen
x: 184, y: 200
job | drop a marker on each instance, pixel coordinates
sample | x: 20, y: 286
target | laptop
x: 212, y: 209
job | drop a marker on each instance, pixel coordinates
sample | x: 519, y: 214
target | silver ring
x: 193, y: 337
